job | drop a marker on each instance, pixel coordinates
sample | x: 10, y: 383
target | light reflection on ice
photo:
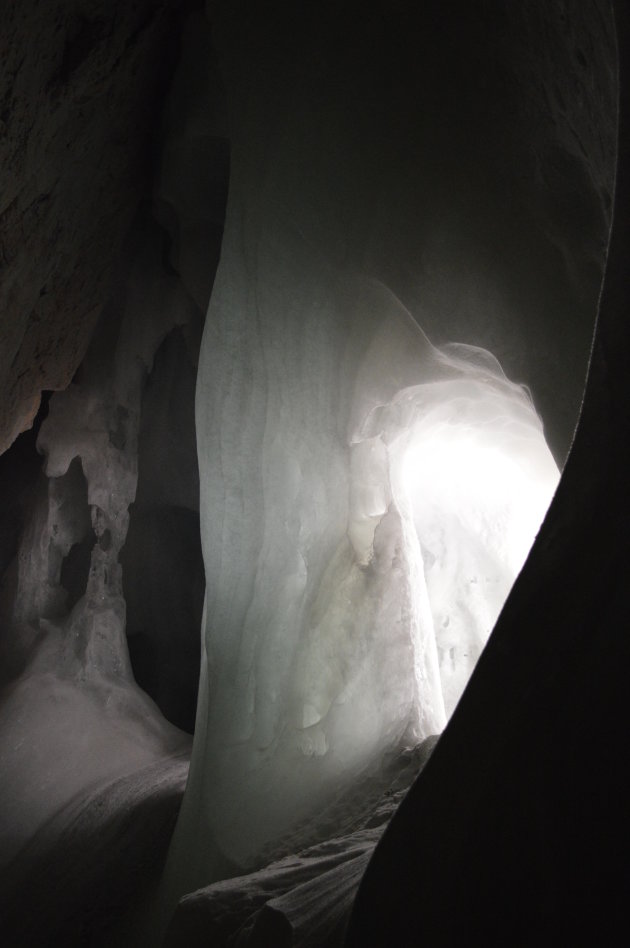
x: 477, y: 506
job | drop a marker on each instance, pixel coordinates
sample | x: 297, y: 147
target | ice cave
x: 313, y: 494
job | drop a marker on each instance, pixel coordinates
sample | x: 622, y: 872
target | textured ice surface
x: 319, y: 657
x: 72, y: 716
x: 473, y: 468
x: 305, y: 898
x: 95, y: 857
x: 61, y: 737
x: 320, y: 637
x: 75, y: 717
x: 320, y: 651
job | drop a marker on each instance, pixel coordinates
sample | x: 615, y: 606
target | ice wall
x: 347, y: 199
x: 318, y: 640
x: 319, y: 636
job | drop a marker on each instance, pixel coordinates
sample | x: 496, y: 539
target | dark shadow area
x: 19, y: 469
x: 163, y: 575
x: 164, y: 587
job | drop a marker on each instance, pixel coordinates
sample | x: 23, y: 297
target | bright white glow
x: 460, y: 458
x: 478, y: 496
x: 354, y: 564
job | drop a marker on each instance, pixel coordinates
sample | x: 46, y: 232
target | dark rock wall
x: 80, y: 87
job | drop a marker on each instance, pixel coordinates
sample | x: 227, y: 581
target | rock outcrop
x: 80, y: 89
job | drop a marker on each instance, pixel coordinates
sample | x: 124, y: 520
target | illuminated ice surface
x: 325, y: 645
x: 479, y: 478
x: 349, y: 593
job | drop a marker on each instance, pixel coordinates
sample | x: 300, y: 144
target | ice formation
x: 341, y: 610
x: 320, y: 652
x: 77, y: 701
x: 474, y: 471
x: 120, y: 461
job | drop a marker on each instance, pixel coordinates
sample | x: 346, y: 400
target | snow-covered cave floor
x: 87, y: 868
x: 91, y: 778
x: 97, y: 816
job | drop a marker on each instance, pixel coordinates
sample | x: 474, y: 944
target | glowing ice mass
x: 479, y: 478
x: 467, y: 463
x: 377, y: 504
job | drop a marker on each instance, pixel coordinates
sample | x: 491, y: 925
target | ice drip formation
x: 330, y: 370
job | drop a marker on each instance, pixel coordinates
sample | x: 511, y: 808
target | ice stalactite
x: 122, y: 431
x: 96, y: 421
